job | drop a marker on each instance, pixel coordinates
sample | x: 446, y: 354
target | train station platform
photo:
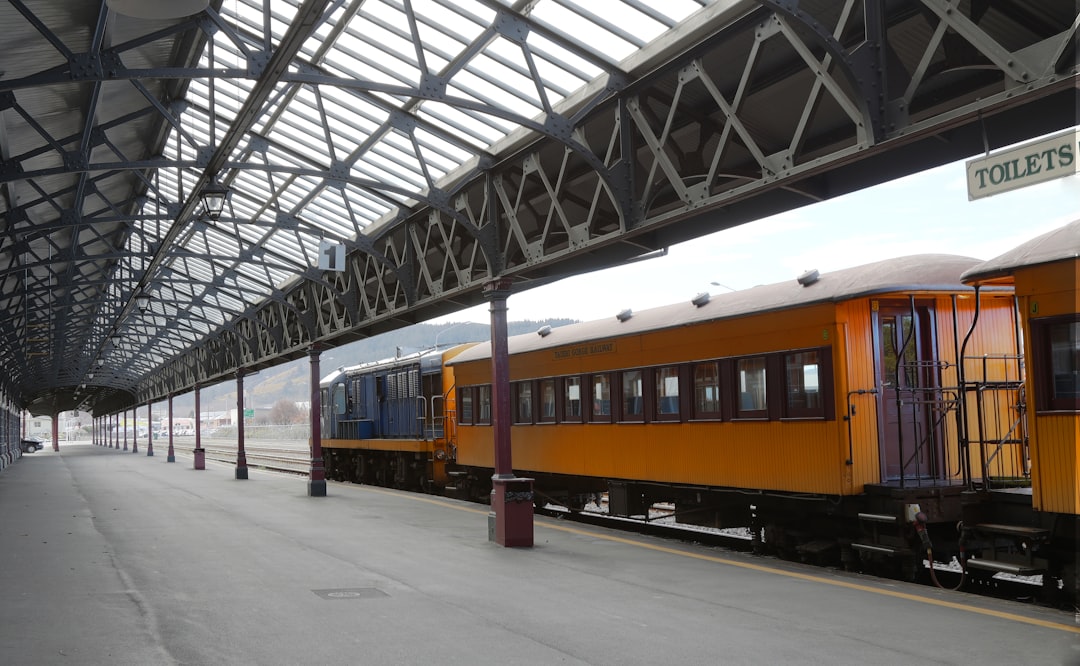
x: 118, y: 558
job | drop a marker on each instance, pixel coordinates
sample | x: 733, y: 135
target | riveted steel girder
x: 509, y: 147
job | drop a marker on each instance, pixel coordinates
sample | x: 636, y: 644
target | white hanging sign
x: 331, y: 256
x: 1031, y: 163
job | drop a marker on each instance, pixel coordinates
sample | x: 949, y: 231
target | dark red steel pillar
x: 317, y: 480
x: 200, y: 454
x: 172, y: 453
x: 241, y: 456
x: 149, y: 430
x: 135, y: 435
x: 510, y: 522
x: 56, y: 432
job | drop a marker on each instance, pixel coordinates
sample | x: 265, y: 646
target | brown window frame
x: 561, y: 412
x: 593, y: 415
x: 526, y: 416
x: 538, y: 400
x: 744, y: 413
x: 467, y: 393
x: 680, y: 385
x: 1043, y: 370
x: 702, y: 414
x: 824, y: 384
x: 480, y: 418
x: 624, y: 415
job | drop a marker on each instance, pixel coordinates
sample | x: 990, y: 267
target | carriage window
x: 1059, y: 363
x: 601, y: 398
x: 522, y: 392
x: 483, y: 404
x: 633, y: 408
x: 802, y: 384
x: 750, y: 377
x: 667, y: 393
x: 572, y: 399
x: 547, y: 400
x: 466, y: 409
x: 707, y: 390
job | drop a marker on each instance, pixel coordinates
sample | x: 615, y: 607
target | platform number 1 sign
x: 331, y: 256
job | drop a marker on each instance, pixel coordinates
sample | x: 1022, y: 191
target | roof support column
x: 149, y: 430
x: 510, y: 522
x: 56, y: 432
x: 135, y: 432
x: 199, y: 452
x: 241, y: 455
x: 123, y: 414
x: 317, y: 481
x: 171, y: 457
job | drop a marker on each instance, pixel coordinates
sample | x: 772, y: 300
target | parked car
x: 29, y: 445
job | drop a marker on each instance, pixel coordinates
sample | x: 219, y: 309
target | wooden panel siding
x: 1051, y: 290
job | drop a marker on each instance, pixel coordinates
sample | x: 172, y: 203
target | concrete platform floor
x: 117, y: 558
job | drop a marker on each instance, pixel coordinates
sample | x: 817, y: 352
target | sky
x: 928, y: 212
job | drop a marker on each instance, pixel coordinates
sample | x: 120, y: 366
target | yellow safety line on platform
x: 762, y: 568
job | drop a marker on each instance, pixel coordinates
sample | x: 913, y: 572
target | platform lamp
x: 142, y: 301
x: 213, y: 197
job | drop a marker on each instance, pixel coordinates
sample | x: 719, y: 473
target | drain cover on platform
x: 351, y: 593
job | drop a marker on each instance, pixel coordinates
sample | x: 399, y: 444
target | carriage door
x: 905, y: 365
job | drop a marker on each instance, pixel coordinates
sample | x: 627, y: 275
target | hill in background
x: 290, y: 381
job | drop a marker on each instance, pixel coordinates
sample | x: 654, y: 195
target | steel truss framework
x: 445, y: 144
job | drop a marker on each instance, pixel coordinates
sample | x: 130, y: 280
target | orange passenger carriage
x: 822, y: 412
x: 1037, y: 528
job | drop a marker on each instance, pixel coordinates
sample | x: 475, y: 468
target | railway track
x: 293, y: 458
x: 289, y: 458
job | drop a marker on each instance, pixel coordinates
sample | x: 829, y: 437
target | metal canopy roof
x: 444, y: 143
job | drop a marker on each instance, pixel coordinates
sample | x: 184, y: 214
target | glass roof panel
x: 391, y: 133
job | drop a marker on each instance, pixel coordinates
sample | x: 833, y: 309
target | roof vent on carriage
x: 625, y: 314
x: 701, y: 299
x: 544, y: 331
x: 809, y: 277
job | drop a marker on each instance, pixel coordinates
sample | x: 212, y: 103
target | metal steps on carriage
x: 891, y: 544
x: 1018, y: 557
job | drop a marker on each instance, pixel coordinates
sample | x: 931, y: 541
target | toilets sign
x: 1035, y: 162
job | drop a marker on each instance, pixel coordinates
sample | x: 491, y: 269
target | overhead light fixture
x: 89, y: 375
x: 213, y: 197
x: 100, y: 362
x: 157, y: 9
x: 142, y: 301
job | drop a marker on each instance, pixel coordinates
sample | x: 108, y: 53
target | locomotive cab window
x: 341, y: 401
x: 1056, y: 343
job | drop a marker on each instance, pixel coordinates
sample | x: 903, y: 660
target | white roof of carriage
x: 1061, y: 244
x: 911, y: 274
